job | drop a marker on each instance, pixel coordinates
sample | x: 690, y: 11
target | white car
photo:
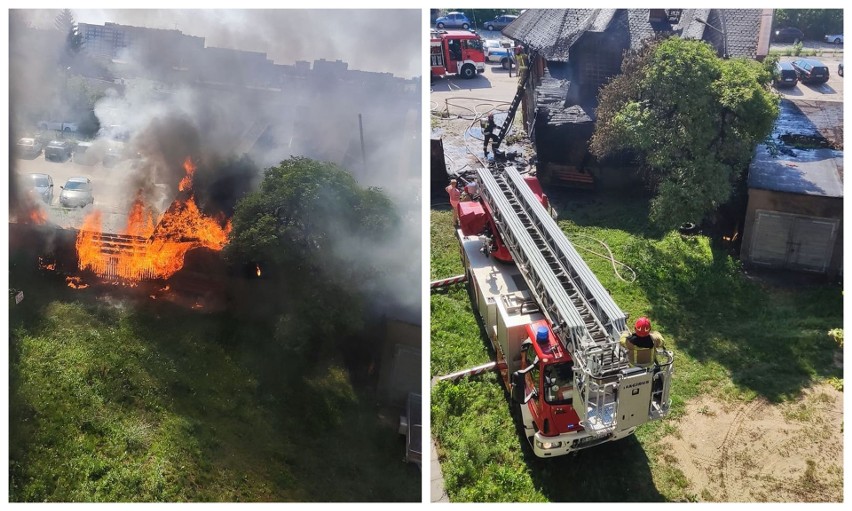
x: 57, y: 126
x: 490, y: 44
x: 834, y: 38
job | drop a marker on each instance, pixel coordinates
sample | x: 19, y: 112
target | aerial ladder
x: 503, y: 129
x: 581, y: 312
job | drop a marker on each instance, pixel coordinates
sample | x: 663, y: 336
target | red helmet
x: 642, y: 326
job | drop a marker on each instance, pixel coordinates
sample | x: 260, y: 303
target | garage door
x: 793, y: 241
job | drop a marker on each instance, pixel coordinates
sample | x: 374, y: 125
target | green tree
x: 814, y: 23
x: 64, y: 22
x: 691, y: 119
x: 309, y: 225
x: 302, y: 212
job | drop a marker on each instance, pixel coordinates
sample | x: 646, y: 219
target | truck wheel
x: 440, y: 25
x: 468, y: 71
x: 465, y: 26
x: 505, y: 63
x: 837, y: 41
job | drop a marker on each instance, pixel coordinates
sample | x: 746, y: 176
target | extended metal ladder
x: 513, y: 107
x: 582, y: 314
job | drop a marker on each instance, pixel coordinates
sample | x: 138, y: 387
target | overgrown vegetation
x: 111, y: 402
x: 691, y: 119
x: 814, y: 23
x: 734, y: 338
x: 311, y: 227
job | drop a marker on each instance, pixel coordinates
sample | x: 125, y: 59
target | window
x: 559, y: 383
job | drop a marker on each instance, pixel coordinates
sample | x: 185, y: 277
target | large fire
x: 146, y: 250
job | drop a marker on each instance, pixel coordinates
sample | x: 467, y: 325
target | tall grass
x: 734, y: 338
x: 125, y: 402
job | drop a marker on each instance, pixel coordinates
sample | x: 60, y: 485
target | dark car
x: 500, y: 22
x: 811, y: 70
x: 58, y: 150
x: 788, y: 35
x: 784, y: 75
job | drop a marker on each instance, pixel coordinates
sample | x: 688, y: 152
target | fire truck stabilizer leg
x: 447, y: 282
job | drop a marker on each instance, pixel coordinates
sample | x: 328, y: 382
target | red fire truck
x: 456, y: 52
x: 554, y: 328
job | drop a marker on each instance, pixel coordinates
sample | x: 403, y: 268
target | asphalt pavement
x: 112, y: 187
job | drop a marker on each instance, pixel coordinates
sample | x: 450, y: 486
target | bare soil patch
x: 762, y: 452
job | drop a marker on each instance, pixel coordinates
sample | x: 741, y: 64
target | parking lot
x: 832, y: 90
x: 112, y: 186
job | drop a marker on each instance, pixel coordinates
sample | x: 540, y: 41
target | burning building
x: 576, y: 51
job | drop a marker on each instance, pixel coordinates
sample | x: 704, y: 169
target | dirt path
x: 759, y: 452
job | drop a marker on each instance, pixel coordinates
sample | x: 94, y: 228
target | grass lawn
x: 121, y: 401
x: 734, y: 337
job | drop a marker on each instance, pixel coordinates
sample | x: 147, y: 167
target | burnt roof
x: 552, y: 32
x: 781, y: 167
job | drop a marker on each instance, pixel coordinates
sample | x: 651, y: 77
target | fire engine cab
x: 456, y: 52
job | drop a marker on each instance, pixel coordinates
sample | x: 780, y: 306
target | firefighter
x: 455, y: 196
x: 488, y: 133
x: 641, y: 343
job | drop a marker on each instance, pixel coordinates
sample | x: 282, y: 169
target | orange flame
x: 258, y: 269
x: 75, y: 283
x: 186, y: 182
x: 146, y: 250
x: 36, y: 215
x: 46, y: 265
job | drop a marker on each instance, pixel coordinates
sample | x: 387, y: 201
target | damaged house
x: 576, y: 51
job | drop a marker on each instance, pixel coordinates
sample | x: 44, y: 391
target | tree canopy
x: 814, y: 23
x: 691, y: 119
x: 313, y: 228
x: 306, y: 212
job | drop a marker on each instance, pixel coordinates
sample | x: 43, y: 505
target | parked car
x: 784, y: 75
x: 58, y: 150
x: 500, y: 55
x: 500, y: 22
x: 57, y: 126
x: 82, y: 154
x: 810, y: 70
x: 28, y: 147
x: 834, y: 38
x: 77, y: 192
x: 42, y: 186
x: 453, y: 20
x: 488, y: 44
x: 840, y: 69
x: 788, y: 35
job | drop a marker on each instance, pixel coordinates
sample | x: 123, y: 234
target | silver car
x: 42, y: 186
x: 77, y: 192
x: 28, y: 147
